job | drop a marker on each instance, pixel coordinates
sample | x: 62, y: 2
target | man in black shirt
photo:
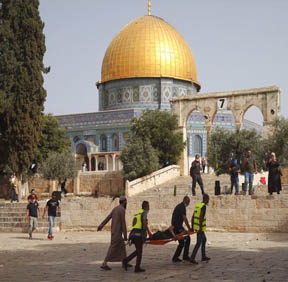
x: 196, y: 176
x: 178, y: 217
x: 33, y: 192
x: 32, y: 214
x: 52, y: 206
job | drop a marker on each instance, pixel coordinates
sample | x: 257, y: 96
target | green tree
x: 22, y: 47
x: 224, y: 145
x: 59, y: 166
x: 52, y: 139
x: 278, y: 140
x: 160, y: 127
x: 139, y: 158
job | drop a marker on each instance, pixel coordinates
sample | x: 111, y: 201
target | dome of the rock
x: 149, y: 47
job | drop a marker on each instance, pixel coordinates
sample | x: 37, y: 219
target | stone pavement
x: 77, y: 256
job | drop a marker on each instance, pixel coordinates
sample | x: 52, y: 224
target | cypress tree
x: 22, y: 96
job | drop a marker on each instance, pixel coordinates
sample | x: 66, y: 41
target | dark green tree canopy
x: 278, y: 140
x: 22, y: 96
x: 160, y: 127
x: 139, y: 158
x: 154, y: 144
x: 52, y: 139
x: 224, y: 145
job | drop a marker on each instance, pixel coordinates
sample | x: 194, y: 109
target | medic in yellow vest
x: 137, y: 236
x: 199, y: 225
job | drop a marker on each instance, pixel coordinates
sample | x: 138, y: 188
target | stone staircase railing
x: 149, y: 181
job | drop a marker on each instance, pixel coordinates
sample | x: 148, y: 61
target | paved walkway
x: 77, y: 256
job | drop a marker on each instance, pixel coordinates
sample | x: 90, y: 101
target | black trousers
x: 196, y: 178
x: 13, y: 195
x: 138, y: 242
x: 185, y: 243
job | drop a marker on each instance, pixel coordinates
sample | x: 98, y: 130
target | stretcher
x: 165, y: 241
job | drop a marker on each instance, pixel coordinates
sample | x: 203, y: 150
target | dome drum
x: 142, y: 93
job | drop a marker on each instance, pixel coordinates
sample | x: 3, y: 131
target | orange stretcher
x: 165, y: 241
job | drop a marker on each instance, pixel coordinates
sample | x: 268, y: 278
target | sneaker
x: 52, y: 237
x: 105, y: 267
x: 205, y: 258
x: 193, y: 261
x: 139, y: 270
x: 176, y: 260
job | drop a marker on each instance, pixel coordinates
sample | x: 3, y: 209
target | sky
x: 236, y: 45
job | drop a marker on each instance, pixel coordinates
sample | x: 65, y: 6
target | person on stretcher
x: 167, y: 234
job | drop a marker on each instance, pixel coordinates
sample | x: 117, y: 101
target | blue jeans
x: 248, y: 179
x: 51, y: 220
x: 201, y: 241
x: 235, y: 181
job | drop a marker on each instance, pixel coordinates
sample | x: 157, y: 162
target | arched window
x: 81, y: 149
x: 197, y: 145
x: 103, y: 143
x: 115, y: 142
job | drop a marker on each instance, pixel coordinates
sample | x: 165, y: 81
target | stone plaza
x: 77, y: 256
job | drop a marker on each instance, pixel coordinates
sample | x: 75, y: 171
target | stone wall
x: 40, y: 184
x: 225, y: 213
x: 104, y: 182
x: 284, y: 178
x: 85, y: 184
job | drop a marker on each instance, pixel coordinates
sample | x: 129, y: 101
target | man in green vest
x: 138, y: 235
x: 199, y: 225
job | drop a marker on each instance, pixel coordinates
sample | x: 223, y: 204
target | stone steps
x: 184, y: 186
x: 22, y: 219
x: 13, y: 218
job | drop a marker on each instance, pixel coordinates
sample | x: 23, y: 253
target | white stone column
x: 90, y: 163
x: 107, y: 162
x: 114, y: 165
x: 76, y: 184
x: 96, y: 163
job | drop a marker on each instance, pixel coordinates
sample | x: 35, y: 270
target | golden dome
x: 149, y: 47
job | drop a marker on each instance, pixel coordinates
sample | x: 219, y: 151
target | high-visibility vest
x: 137, y: 220
x: 196, y: 223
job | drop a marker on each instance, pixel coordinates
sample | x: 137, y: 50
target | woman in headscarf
x: 274, y: 176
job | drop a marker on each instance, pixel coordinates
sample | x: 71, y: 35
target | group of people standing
x: 249, y: 168
x: 140, y: 230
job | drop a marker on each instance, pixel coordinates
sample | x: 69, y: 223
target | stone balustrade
x: 158, y: 177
